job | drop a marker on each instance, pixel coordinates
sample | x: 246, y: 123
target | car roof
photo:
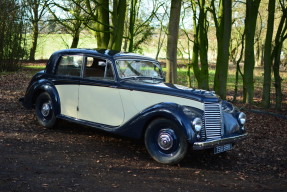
x: 100, y: 52
x: 109, y: 54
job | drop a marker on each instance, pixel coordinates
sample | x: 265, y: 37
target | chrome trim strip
x: 213, y: 143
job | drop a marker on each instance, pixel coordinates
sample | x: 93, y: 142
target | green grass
x: 258, y: 80
x: 49, y: 43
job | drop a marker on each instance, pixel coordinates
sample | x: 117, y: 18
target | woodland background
x: 236, y: 48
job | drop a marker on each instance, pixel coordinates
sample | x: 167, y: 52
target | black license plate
x: 222, y: 148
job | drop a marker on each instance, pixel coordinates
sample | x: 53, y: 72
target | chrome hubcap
x: 165, y: 139
x: 45, y: 110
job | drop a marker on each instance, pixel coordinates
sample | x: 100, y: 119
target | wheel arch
x: 52, y: 91
x: 169, y: 111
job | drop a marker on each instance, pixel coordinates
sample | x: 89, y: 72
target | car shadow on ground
x: 135, y: 149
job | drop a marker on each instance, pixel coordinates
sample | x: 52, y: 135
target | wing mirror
x: 102, y: 63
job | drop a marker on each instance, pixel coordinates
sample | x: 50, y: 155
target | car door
x: 68, y: 75
x: 99, y: 98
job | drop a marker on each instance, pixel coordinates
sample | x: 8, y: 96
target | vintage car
x: 125, y: 94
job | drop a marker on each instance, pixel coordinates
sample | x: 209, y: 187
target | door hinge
x: 77, y: 108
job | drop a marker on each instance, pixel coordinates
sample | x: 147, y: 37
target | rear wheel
x: 165, y: 141
x: 45, y: 110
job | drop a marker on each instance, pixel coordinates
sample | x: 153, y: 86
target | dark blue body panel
x: 38, y: 85
x: 170, y: 89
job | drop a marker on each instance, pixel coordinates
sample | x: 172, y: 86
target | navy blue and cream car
x: 125, y: 94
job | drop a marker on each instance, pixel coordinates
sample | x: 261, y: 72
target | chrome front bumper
x: 213, y: 143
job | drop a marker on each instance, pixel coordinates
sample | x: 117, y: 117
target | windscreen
x: 138, y: 68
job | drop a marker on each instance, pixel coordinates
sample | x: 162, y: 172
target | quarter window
x: 70, y: 65
x: 97, y: 68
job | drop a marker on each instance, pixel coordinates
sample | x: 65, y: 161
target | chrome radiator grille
x: 213, y: 121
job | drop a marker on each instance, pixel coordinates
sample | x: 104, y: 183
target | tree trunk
x: 223, y: 33
x: 118, y: 19
x: 75, y: 41
x: 188, y: 74
x: 103, y: 29
x: 172, y: 39
x: 276, y: 71
x: 195, y: 49
x: 160, y: 41
x: 194, y: 59
x: 267, y: 55
x: 188, y: 65
x: 259, y: 53
x: 76, y: 38
x: 34, y: 41
x: 279, y: 39
x: 132, y: 24
x: 238, y: 70
x: 249, y: 61
x: 35, y: 9
x: 203, y: 47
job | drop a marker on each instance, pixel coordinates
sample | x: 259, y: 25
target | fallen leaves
x: 91, y: 157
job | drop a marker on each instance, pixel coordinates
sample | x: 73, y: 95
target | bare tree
x: 187, y: 48
x: 162, y: 30
x: 139, y: 25
x: 36, y: 10
x: 107, y: 25
x: 237, y: 51
x: 71, y: 18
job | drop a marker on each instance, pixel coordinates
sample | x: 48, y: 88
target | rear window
x: 70, y: 65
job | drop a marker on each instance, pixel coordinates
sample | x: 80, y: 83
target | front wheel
x: 165, y: 141
x: 45, y: 110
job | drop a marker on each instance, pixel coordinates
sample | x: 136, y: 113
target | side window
x: 97, y: 68
x: 70, y: 65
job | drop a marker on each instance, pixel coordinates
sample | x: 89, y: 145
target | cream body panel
x: 136, y: 101
x: 101, y: 105
x: 68, y: 99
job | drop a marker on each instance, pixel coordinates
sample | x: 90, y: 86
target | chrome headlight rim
x: 197, y: 124
x: 242, y: 118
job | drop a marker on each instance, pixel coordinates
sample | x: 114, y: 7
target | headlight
x: 197, y: 124
x: 242, y: 118
x: 194, y: 116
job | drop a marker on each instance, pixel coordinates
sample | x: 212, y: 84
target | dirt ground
x: 77, y: 158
